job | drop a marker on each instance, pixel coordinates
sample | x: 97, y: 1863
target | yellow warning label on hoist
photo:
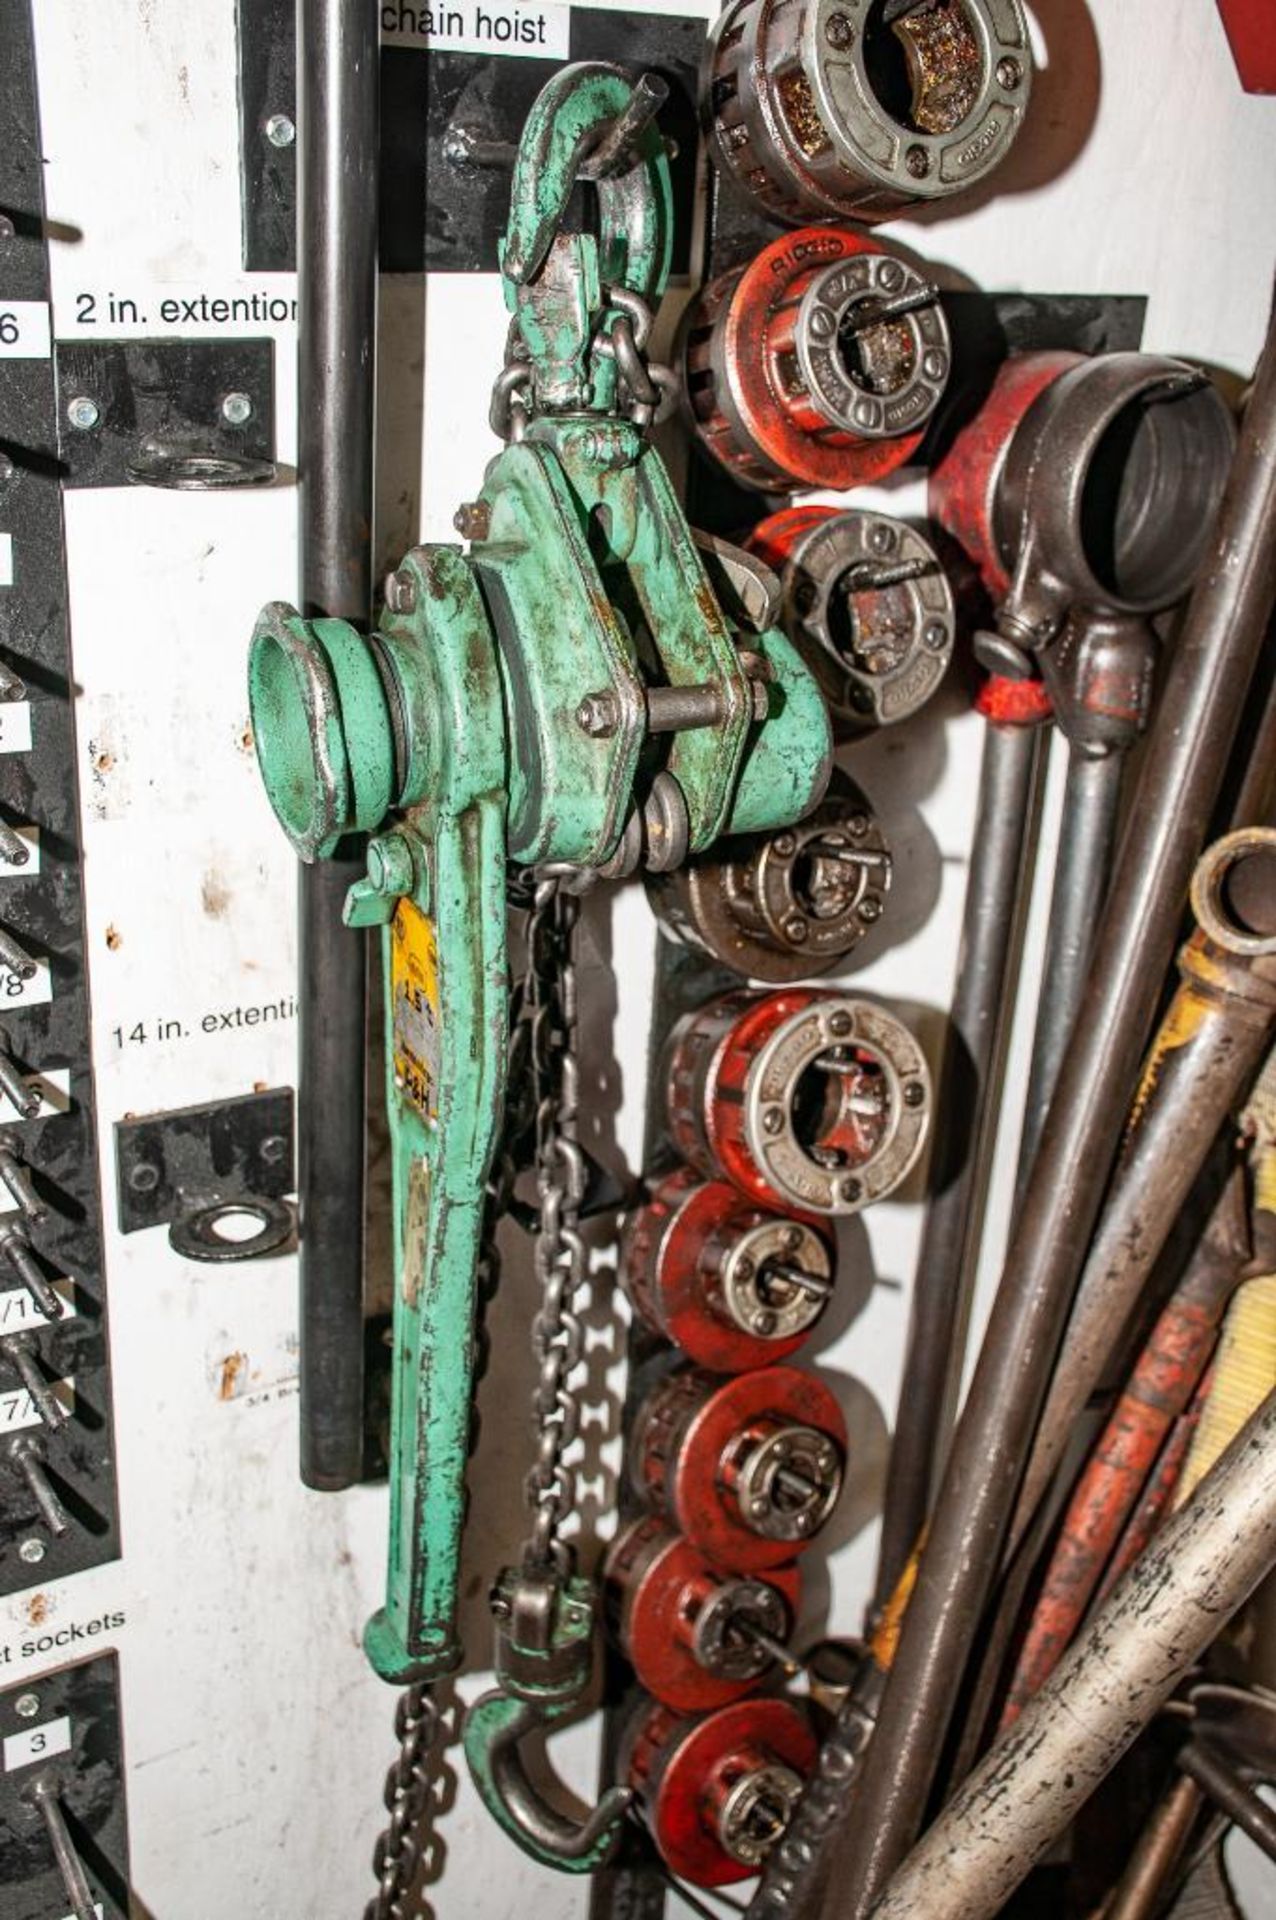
x: 414, y: 1005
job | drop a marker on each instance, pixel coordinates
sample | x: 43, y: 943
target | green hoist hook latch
x: 589, y: 686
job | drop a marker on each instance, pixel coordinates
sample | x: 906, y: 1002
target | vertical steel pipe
x: 1206, y: 688
x: 337, y: 75
x: 1169, y: 1608
x: 1087, y: 844
x: 1001, y: 857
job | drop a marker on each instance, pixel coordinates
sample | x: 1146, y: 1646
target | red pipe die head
x: 730, y: 1285
x: 684, y: 1625
x: 806, y: 1100
x: 788, y: 379
x: 748, y: 1468
x: 868, y: 605
x: 718, y: 1791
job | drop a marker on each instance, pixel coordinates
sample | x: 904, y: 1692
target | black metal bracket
x: 440, y: 211
x: 199, y: 1168
x: 190, y: 414
x: 61, y: 1731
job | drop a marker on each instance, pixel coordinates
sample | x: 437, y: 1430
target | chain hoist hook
x: 544, y: 1656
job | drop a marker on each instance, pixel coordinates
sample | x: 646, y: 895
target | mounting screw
x: 838, y: 30
x: 27, y: 1705
x: 280, y: 130
x: 83, y: 412
x: 914, y: 1094
x: 400, y: 592
x: 7, y: 469
x: 773, y: 1121
x: 840, y: 1023
x: 881, y: 538
x: 870, y: 909
x: 849, y: 1192
x: 32, y: 1551
x: 917, y: 160
x: 273, y: 1149
x: 935, y: 636
x: 1009, y: 74
x: 795, y: 929
x: 237, y: 409
x: 144, y: 1177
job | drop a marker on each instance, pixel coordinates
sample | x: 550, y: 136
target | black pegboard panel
x: 438, y: 214
x: 64, y: 1727
x: 43, y: 910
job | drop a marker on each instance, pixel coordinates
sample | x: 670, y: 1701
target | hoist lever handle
x: 544, y: 1656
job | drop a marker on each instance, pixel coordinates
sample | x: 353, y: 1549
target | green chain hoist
x: 587, y: 689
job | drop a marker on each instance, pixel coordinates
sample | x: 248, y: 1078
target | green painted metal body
x: 453, y: 737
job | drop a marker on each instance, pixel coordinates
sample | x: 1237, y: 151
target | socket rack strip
x: 57, y: 1478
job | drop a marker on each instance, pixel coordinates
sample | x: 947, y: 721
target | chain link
x: 559, y: 1254
x: 648, y: 390
x: 397, y: 1858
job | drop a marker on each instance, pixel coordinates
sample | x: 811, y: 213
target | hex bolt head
x: 400, y: 592
x: 83, y: 412
x: 473, y: 519
x: 596, y: 715
x: 838, y: 31
x: 237, y: 409
x: 280, y: 130
x: 32, y: 1552
x: 1009, y: 73
x: 144, y: 1177
x: 27, y: 1705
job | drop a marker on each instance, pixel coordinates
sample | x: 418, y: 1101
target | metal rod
x: 1205, y: 689
x: 1087, y: 842
x: 43, y: 1792
x: 17, y: 1250
x: 1157, y: 1853
x: 816, y: 1284
x: 871, y: 576
x: 748, y: 1629
x: 14, y: 850
x: 16, y: 958
x: 1169, y: 1608
x: 26, y: 1099
x: 1208, y: 1047
x: 19, y: 1349
x: 1159, y: 1389
x: 1201, y: 1762
x: 18, y: 1181
x: 863, y: 318
x: 27, y: 1457
x: 1009, y: 777
x: 337, y: 252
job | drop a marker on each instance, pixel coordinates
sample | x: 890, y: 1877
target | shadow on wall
x: 1066, y: 89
